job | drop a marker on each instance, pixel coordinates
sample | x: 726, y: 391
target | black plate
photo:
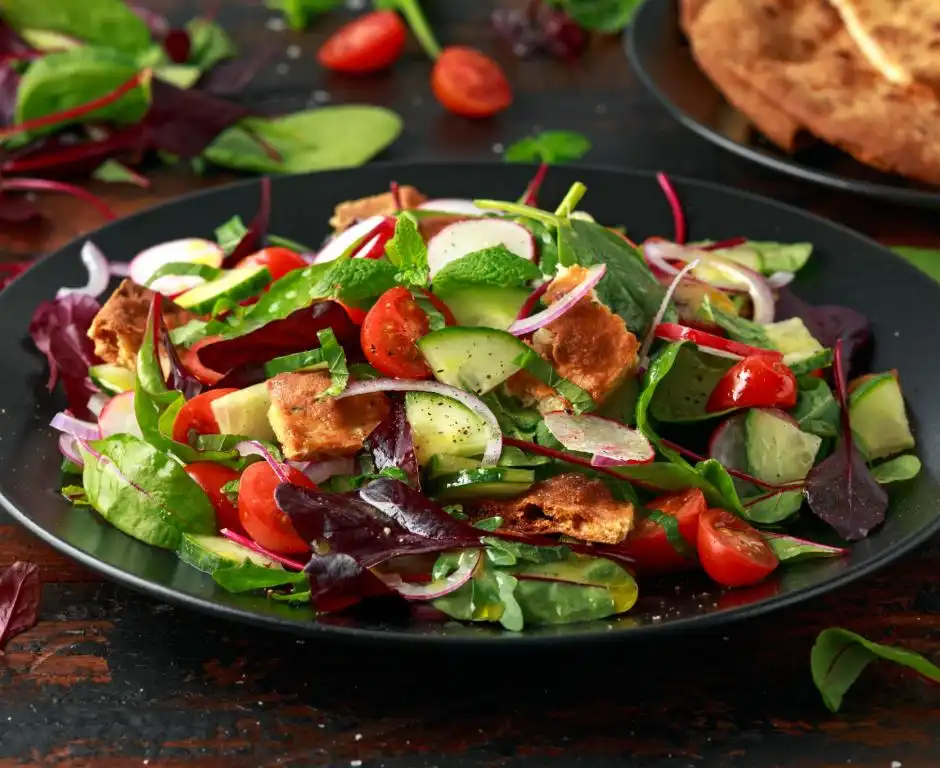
x: 847, y: 268
x: 659, y: 53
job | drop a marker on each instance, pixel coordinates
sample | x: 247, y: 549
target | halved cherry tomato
x: 193, y: 364
x: 758, y: 381
x: 258, y: 511
x: 469, y: 83
x: 197, y: 416
x: 733, y: 553
x: 211, y: 477
x: 650, y: 546
x: 370, y: 43
x: 676, y: 332
x: 279, y: 261
x: 390, y: 331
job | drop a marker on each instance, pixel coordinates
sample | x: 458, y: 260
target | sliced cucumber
x: 714, y: 275
x: 236, y: 285
x: 112, y: 379
x: 245, y: 412
x: 879, y: 420
x: 778, y: 451
x: 486, y: 306
x: 442, y: 425
x: 813, y: 362
x: 793, y: 339
x: 442, y: 464
x: 475, y: 359
x: 209, y: 553
x: 490, y: 483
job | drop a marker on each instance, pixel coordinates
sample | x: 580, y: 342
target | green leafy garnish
x: 335, y: 359
x: 670, y: 527
x: 548, y: 147
x: 607, y: 16
x: 209, y: 44
x: 230, y: 233
x: 108, y: 23
x: 840, y: 656
x: 580, y: 400
x: 407, y: 251
x: 299, y: 13
x: 496, y: 266
x: 897, y: 470
x: 113, y: 172
x: 816, y: 410
x: 927, y: 260
x: 789, y: 550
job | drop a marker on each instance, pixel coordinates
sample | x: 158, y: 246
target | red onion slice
x: 120, y: 269
x: 319, y: 471
x: 610, y: 443
x: 68, y: 447
x: 67, y: 423
x: 661, y: 312
x: 780, y: 279
x: 255, y: 448
x: 467, y: 564
x: 528, y: 325
x: 99, y: 273
x: 494, y: 445
x: 255, y: 547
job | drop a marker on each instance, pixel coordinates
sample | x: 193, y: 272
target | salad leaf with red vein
x: 253, y: 239
x: 59, y: 330
x: 391, y: 445
x: 20, y: 592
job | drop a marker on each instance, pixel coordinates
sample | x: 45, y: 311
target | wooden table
x: 112, y: 679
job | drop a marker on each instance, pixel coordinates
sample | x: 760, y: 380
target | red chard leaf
x: 230, y: 78
x: 180, y: 377
x: 828, y: 324
x: 253, y: 239
x: 59, y: 330
x: 337, y: 581
x: 177, y: 45
x: 20, y: 592
x: 391, y: 445
x: 841, y: 490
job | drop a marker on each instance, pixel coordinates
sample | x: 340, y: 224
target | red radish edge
x: 249, y: 544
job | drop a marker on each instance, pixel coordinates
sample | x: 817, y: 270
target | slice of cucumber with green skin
x: 489, y: 483
x: 475, y: 359
x: 777, y: 450
x: 442, y: 464
x: 486, y: 307
x: 879, y: 419
x: 112, y: 379
x: 236, y: 285
x: 245, y: 412
x: 210, y: 553
x: 440, y: 425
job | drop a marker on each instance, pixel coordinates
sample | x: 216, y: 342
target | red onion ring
x: 255, y: 448
x: 319, y: 471
x: 68, y: 447
x: 67, y: 423
x: 661, y: 312
x: 469, y: 560
x: 99, y: 273
x: 527, y: 325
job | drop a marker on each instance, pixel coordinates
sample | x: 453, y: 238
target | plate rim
x: 329, y: 632
x: 785, y: 166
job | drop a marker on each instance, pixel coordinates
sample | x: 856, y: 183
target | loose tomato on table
x: 370, y: 43
x: 197, y: 416
x: 279, y: 261
x: 211, y: 477
x: 389, y: 333
x: 758, y: 381
x: 469, y: 83
x: 258, y: 511
x: 732, y: 552
x: 649, y: 546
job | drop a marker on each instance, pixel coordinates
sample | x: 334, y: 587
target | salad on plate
x: 506, y: 413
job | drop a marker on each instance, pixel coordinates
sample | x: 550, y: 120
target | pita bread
x: 899, y: 38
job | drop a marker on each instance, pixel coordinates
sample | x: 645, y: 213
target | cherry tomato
x: 468, y: 83
x: 191, y: 360
x: 733, y: 553
x: 258, y: 512
x: 370, y: 43
x: 758, y: 381
x: 211, y: 477
x: 197, y: 416
x: 279, y: 261
x: 650, y: 546
x: 389, y: 333
x: 676, y: 332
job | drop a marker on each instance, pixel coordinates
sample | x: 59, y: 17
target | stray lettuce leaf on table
x: 548, y: 147
x: 109, y: 23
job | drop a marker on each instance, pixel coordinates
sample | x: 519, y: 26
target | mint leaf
x: 840, y: 656
x: 548, y: 147
x: 407, y: 251
x: 335, y: 358
x: 497, y: 266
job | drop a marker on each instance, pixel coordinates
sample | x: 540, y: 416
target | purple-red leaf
x: 391, y: 445
x: 253, y: 239
x: 59, y: 330
x: 841, y: 490
x: 828, y: 324
x: 20, y: 592
x: 230, y: 78
x: 180, y: 378
x: 17, y: 210
x: 177, y: 45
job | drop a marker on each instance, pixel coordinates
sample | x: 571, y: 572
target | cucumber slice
x: 245, y: 412
x: 112, y: 379
x: 486, y: 306
x: 475, y: 359
x: 778, y: 451
x: 793, y: 339
x: 236, y: 285
x: 209, y: 553
x: 442, y: 425
x: 442, y: 464
x: 879, y: 420
x: 490, y: 483
x: 812, y: 362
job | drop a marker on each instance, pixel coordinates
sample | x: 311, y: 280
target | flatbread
x: 899, y: 38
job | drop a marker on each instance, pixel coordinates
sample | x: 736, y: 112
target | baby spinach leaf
x: 682, y: 394
x: 113, y: 172
x: 738, y: 328
x: 507, y: 552
x: 607, y: 16
x: 670, y: 527
x: 230, y: 233
x: 714, y: 474
x: 771, y: 508
x: 840, y: 656
x: 658, y: 370
x: 496, y: 266
x: 108, y: 23
x: 143, y: 492
x: 897, y: 469
x: 790, y: 550
x: 927, y: 260
x: 208, y: 44
x: 548, y: 147
x: 298, y: 13
x: 248, y: 576
x: 312, y: 140
x: 816, y: 409
x: 580, y: 400
x: 407, y: 251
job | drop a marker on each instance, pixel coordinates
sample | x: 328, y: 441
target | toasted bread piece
x: 308, y: 428
x: 348, y: 213
x: 568, y: 504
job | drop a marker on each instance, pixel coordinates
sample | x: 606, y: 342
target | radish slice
x: 610, y: 443
x: 191, y: 250
x: 463, y: 237
x: 118, y: 417
x: 457, y: 206
x: 346, y: 239
x: 466, y: 565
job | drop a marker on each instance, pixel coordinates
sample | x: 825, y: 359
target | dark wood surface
x: 110, y: 678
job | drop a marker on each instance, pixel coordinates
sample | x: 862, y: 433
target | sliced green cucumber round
x: 879, y: 420
x: 441, y: 425
x: 489, y: 483
x: 475, y: 359
x: 442, y: 464
x: 112, y: 379
x: 485, y: 306
x: 236, y: 285
x: 778, y: 451
x: 209, y: 553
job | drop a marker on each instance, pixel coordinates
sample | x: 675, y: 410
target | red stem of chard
x: 530, y: 196
x: 45, y: 185
x: 677, y: 215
